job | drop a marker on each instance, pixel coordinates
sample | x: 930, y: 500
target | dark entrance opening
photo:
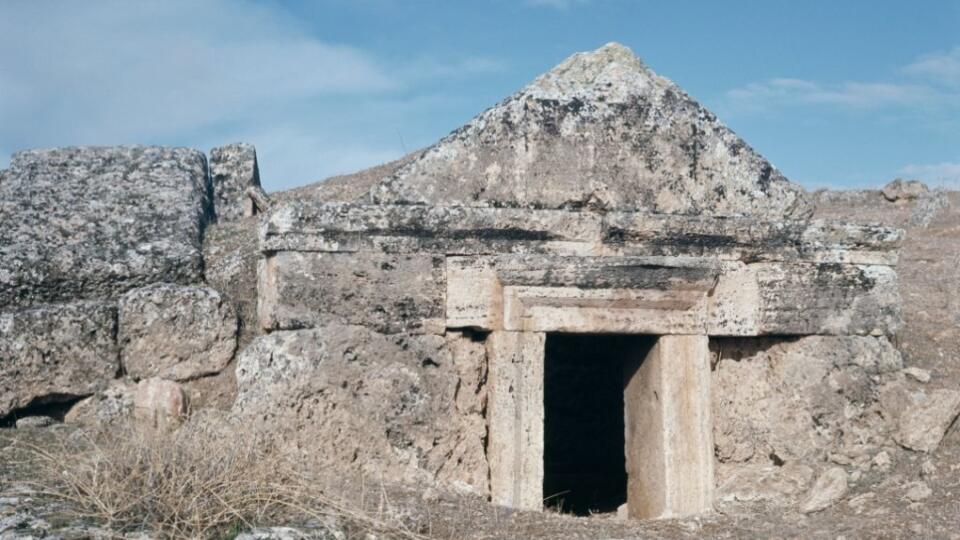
x: 584, y: 465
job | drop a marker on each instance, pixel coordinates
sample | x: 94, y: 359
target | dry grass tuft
x: 192, y: 484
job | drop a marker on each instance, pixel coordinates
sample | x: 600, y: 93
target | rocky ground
x: 903, y: 494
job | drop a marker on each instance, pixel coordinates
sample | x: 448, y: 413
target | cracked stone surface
x: 94, y: 222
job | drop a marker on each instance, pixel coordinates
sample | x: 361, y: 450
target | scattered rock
x: 917, y: 374
x: 829, y: 488
x: 917, y: 491
x: 175, y: 332
x: 623, y: 512
x: 746, y: 483
x: 923, y: 424
x: 900, y: 189
x: 159, y: 404
x: 106, y: 407
x: 34, y: 422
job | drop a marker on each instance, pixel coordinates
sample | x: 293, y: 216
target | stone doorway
x: 666, y: 429
x: 584, y: 457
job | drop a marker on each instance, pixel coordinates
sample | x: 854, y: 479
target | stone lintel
x: 669, y: 431
x: 669, y: 295
x: 579, y: 294
x: 309, y: 226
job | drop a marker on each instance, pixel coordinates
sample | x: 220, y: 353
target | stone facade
x: 600, y: 199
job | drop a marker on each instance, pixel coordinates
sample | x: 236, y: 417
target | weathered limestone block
x: 601, y: 130
x: 233, y: 169
x: 389, y: 293
x: 749, y: 239
x: 804, y: 298
x: 94, y: 222
x: 515, y: 416
x: 230, y: 256
x: 312, y: 226
x: 669, y: 434
x: 798, y: 400
x: 419, y: 417
x: 175, y: 332
x: 828, y: 298
x: 54, y: 353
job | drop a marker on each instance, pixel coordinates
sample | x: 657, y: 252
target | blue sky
x: 838, y: 94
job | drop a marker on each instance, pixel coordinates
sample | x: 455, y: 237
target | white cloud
x: 941, y: 67
x: 561, y: 5
x: 927, y: 86
x: 128, y: 69
x: 857, y: 95
x: 938, y: 174
x: 205, y: 73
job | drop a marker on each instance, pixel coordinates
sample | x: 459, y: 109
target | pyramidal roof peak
x: 599, y: 130
x: 613, y: 71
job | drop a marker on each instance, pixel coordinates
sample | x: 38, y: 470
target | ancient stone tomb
x: 534, y: 308
x: 595, y: 325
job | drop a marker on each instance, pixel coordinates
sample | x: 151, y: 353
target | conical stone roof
x: 601, y: 130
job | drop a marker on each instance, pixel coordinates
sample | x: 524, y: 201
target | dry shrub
x: 192, y: 484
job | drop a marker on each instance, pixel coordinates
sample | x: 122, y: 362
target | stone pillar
x: 233, y: 169
x: 669, y: 432
x: 515, y: 416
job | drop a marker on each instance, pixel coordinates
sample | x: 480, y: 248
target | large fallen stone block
x: 55, y: 353
x: 94, y: 222
x: 396, y: 406
x: 175, y: 332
